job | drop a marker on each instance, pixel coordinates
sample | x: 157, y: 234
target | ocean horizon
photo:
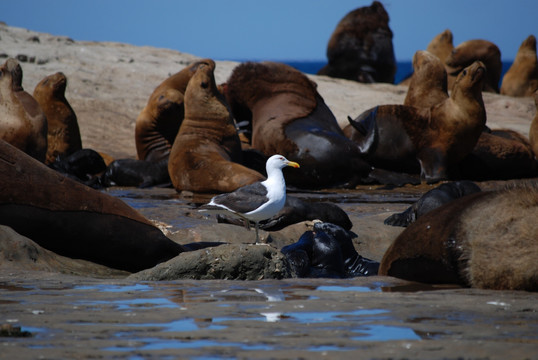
x: 403, y: 70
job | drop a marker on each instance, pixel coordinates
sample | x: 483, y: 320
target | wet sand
x: 367, y: 318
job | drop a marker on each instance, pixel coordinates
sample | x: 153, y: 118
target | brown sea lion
x: 484, y: 240
x: 360, y: 48
x: 533, y: 131
x: 428, y: 85
x: 206, y: 155
x: 394, y: 137
x: 22, y: 122
x: 441, y: 45
x: 521, y: 79
x: 470, y: 51
x: 63, y: 136
x: 499, y: 155
x: 158, y: 123
x: 289, y: 117
x: 74, y: 220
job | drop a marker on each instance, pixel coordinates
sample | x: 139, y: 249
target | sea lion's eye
x: 464, y: 72
x: 204, y: 84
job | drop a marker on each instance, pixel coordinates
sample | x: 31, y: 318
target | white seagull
x: 258, y: 201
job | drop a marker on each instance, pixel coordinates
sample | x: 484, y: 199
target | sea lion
x: 395, y: 137
x: 470, y: 51
x: 441, y: 45
x: 84, y: 166
x: 158, y: 123
x: 22, y: 124
x: 139, y: 173
x: 428, y: 84
x: 533, y: 131
x: 74, y: 220
x: 521, y: 79
x: 499, y: 155
x: 484, y: 240
x: 328, y: 251
x: 63, y: 136
x: 289, y: 117
x: 360, y: 48
x: 432, y: 199
x: 296, y: 210
x: 206, y: 155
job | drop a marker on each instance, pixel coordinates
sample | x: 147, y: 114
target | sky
x: 282, y: 30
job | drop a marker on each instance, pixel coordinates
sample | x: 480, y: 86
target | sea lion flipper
x: 433, y: 164
x: 366, y: 125
x: 401, y: 219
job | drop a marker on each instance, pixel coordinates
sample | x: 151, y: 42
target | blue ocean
x: 404, y: 68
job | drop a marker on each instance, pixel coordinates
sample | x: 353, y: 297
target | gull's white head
x: 279, y: 162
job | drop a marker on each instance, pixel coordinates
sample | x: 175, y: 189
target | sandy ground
x: 104, y: 315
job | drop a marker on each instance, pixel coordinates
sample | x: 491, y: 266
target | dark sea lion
x: 296, y: 210
x: 74, y: 220
x: 470, y: 51
x: 533, y: 131
x: 328, y: 251
x: 289, y: 117
x: 432, y: 199
x: 22, y: 123
x: 158, y: 123
x: 438, y: 137
x: 206, y: 155
x: 139, y: 173
x: 360, y: 48
x: 63, y: 136
x: 83, y: 165
x: 484, y: 240
x: 428, y: 84
x: 442, y: 45
x: 521, y: 79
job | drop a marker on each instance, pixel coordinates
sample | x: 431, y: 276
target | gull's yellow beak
x: 293, y: 164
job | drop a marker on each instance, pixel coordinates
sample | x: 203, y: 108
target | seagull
x: 258, y: 201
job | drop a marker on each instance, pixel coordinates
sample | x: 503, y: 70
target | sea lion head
x: 470, y: 80
x: 15, y: 69
x: 55, y: 84
x: 429, y: 68
x: 529, y: 44
x: 441, y: 45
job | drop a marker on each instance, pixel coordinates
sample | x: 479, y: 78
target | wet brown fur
x: 521, y: 79
x: 533, y: 131
x: 158, y: 123
x: 290, y: 118
x: 22, y: 121
x: 206, y: 153
x: 63, y: 131
x: 485, y: 240
x: 271, y: 95
x: 75, y: 220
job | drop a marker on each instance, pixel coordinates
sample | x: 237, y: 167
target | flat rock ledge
x: 225, y: 262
